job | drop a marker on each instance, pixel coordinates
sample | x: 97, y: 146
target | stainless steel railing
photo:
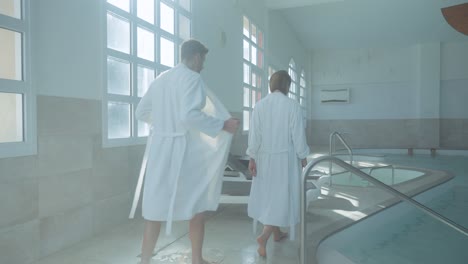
x: 377, y: 183
x: 332, y: 150
x: 383, y: 167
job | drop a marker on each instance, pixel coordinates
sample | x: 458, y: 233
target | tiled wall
x: 392, y: 133
x: 71, y: 190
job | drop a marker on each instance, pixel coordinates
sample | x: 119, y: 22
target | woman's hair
x: 192, y: 47
x: 281, y: 81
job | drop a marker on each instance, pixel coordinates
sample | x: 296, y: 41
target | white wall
x: 454, y: 80
x: 428, y: 80
x: 67, y: 48
x: 382, y: 82
x: 283, y: 44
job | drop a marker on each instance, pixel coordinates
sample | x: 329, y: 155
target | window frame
x: 29, y: 144
x: 135, y: 22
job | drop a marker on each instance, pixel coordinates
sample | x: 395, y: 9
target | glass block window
x: 17, y: 99
x: 143, y: 37
x: 253, y: 68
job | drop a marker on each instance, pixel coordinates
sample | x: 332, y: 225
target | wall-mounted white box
x: 334, y: 96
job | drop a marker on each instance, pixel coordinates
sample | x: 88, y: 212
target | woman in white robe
x: 186, y: 151
x: 277, y: 148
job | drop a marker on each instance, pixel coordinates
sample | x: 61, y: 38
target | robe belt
x: 136, y: 197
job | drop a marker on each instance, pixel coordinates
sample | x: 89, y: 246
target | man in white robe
x: 181, y: 180
x: 277, y: 149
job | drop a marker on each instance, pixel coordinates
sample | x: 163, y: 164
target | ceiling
x: 346, y: 24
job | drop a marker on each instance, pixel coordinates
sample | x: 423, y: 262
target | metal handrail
x: 383, y: 167
x: 333, y: 149
x: 333, y: 146
x: 376, y: 182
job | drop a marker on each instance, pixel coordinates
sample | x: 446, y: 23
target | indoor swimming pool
x: 388, y: 175
x: 402, y: 234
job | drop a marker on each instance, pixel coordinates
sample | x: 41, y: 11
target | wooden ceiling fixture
x: 457, y: 17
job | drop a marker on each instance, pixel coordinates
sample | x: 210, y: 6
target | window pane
x: 254, y: 55
x: 185, y: 4
x: 246, y: 97
x: 145, y: 10
x: 254, y: 97
x: 145, y: 77
x: 11, y: 117
x: 167, y: 18
x: 254, y: 79
x: 246, y: 50
x: 301, y: 92
x: 246, y: 121
x: 118, y: 115
x: 118, y: 76
x: 167, y: 52
x: 118, y: 34
x: 122, y: 4
x: 260, y: 59
x: 184, y: 27
x: 259, y: 81
x: 10, y: 55
x: 145, y: 44
x: 259, y: 96
x: 11, y: 8
x: 246, y: 27
x: 246, y: 73
x: 260, y: 39
x: 254, y: 34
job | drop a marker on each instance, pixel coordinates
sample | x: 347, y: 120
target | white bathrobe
x: 277, y: 142
x: 187, y: 149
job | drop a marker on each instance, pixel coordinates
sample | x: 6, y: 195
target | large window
x: 303, y: 93
x: 253, y: 60
x: 17, y: 101
x: 143, y: 39
x: 293, y: 73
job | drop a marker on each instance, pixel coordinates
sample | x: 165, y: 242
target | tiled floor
x: 228, y: 240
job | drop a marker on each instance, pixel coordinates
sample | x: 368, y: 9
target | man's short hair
x: 192, y: 47
x: 281, y: 81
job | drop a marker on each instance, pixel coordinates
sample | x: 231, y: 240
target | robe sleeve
x: 255, y: 136
x: 143, y: 110
x: 193, y: 101
x: 298, y: 133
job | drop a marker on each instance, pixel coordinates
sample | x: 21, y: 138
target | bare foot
x: 279, y: 236
x: 261, y: 247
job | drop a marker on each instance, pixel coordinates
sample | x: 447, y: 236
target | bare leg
x: 150, y: 237
x: 197, y: 234
x: 262, y: 239
x: 278, y: 235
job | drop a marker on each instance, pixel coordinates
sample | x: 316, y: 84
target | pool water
x: 416, y: 238
x: 382, y: 174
